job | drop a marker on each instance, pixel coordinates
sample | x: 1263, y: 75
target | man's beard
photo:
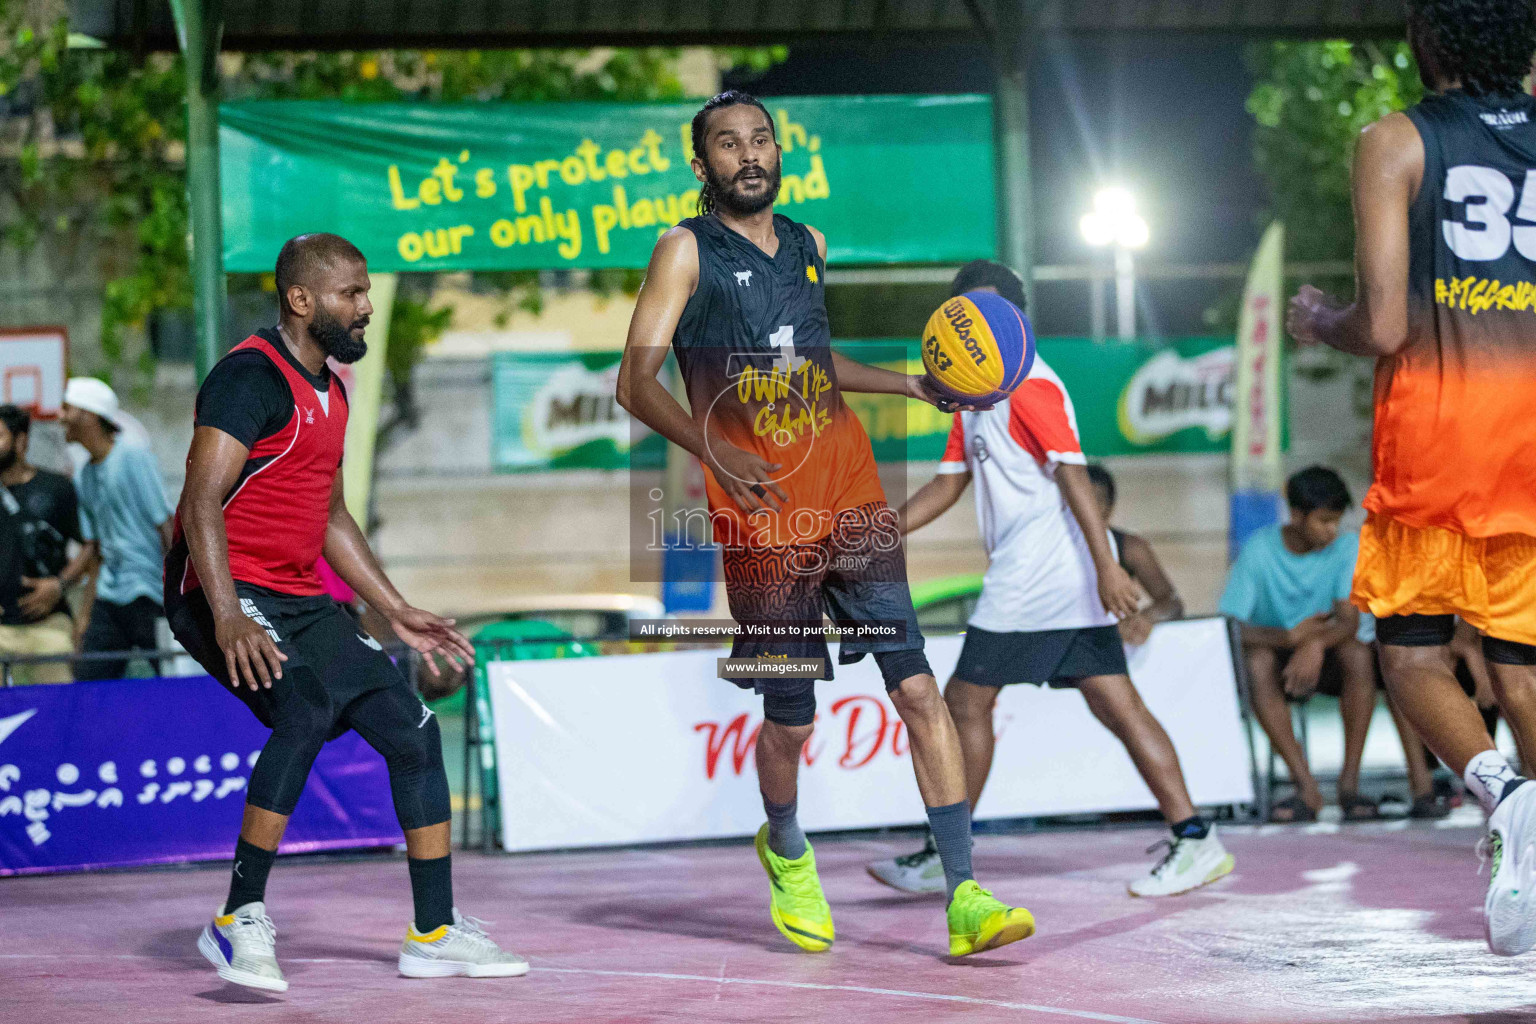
x: 734, y: 202
x: 7, y: 459
x: 335, y: 337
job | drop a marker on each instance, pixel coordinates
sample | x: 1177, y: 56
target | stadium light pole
x: 1114, y: 222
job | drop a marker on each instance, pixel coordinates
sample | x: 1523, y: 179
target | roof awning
x: 485, y: 24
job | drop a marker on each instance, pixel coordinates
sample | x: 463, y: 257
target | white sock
x: 1486, y: 776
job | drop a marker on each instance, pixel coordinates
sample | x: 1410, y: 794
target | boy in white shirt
x: 1049, y: 603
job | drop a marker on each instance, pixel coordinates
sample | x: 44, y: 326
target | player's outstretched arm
x: 213, y: 466
x: 347, y: 551
x: 932, y: 500
x: 1388, y: 169
x: 670, y: 280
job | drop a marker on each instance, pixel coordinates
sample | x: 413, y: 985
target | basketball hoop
x: 33, y: 364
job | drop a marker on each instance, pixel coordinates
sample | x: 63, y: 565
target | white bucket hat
x: 95, y: 396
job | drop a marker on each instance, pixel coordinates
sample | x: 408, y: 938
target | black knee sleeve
x: 281, y: 771
x: 898, y: 665
x: 1508, y: 652
x: 791, y: 705
x: 1415, y: 630
x: 417, y: 780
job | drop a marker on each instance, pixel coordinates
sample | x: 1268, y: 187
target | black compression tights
x: 392, y: 720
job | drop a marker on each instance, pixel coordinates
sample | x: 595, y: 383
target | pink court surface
x: 1376, y: 922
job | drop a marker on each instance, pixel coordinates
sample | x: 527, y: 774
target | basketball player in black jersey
x: 1445, y: 255
x: 795, y: 501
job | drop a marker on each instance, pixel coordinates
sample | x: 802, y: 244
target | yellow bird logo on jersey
x: 810, y: 273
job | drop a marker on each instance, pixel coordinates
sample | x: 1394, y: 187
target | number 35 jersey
x: 755, y: 350
x: 1455, y: 432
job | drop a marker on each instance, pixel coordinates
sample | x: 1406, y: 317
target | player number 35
x: 1487, y: 231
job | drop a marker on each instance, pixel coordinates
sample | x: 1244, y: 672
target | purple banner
x: 153, y: 771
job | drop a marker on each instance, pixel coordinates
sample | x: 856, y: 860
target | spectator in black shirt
x: 43, y: 519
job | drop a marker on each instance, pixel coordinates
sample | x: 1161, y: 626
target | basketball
x: 978, y: 347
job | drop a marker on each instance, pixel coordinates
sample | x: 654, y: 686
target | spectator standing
x: 1290, y: 590
x: 126, y: 520
x: 43, y: 520
x: 1136, y: 557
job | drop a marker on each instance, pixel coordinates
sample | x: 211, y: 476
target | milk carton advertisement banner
x: 653, y: 747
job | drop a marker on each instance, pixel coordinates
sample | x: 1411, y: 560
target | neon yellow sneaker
x: 798, y: 907
x: 977, y: 921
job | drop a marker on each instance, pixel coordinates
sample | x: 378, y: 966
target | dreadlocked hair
x: 729, y: 98
x: 1485, y: 44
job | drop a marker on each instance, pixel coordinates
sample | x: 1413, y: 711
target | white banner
x: 1256, y: 460
x: 653, y: 747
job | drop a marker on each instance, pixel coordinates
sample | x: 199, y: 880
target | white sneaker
x: 915, y: 872
x: 1188, y: 864
x: 1510, y: 906
x: 461, y: 949
x: 243, y: 948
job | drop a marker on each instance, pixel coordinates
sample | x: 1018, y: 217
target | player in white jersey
x: 1049, y: 603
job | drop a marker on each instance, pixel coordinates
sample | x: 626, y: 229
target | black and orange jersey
x: 755, y: 349
x: 1455, y: 439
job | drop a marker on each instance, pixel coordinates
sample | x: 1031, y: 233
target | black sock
x: 950, y: 827
x: 248, y: 880
x: 432, y: 890
x: 1192, y: 828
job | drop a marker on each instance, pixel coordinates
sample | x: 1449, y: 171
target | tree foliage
x: 1310, y: 101
x: 93, y: 156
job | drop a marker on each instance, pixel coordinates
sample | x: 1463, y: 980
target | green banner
x: 1131, y: 398
x: 522, y: 186
x: 556, y: 411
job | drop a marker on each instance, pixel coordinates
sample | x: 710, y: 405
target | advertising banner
x: 534, y: 186
x: 653, y: 747
x: 557, y: 410
x: 364, y: 381
x: 1257, y: 430
x: 1131, y: 398
x: 154, y: 771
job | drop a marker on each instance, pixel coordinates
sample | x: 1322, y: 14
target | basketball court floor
x: 1320, y: 923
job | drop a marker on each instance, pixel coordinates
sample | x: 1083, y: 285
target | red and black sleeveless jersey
x: 295, y: 425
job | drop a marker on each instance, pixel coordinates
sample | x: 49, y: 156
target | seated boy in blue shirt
x: 1290, y: 590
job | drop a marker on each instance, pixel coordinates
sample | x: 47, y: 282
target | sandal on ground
x: 1429, y: 807
x: 1358, y: 808
x: 1295, y: 811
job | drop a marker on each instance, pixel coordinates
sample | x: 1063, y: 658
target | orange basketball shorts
x: 1488, y: 581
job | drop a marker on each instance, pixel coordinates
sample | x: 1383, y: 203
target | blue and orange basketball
x: 978, y: 347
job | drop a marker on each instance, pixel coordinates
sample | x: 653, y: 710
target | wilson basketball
x: 978, y: 347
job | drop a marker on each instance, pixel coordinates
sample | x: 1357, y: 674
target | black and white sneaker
x: 918, y: 872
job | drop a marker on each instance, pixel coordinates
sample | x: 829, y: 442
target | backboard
x: 33, y: 361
